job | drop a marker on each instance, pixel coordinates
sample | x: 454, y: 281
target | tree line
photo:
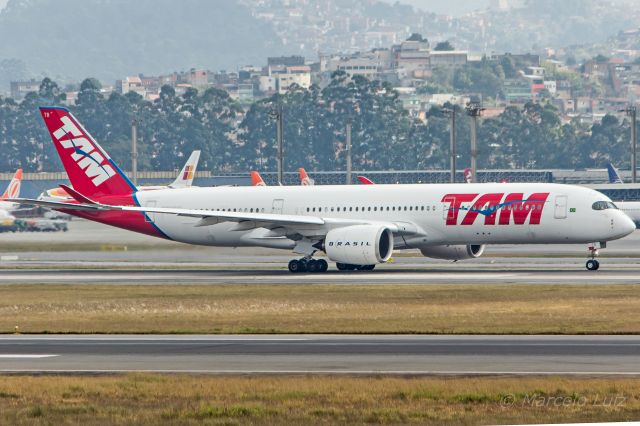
x: 384, y: 135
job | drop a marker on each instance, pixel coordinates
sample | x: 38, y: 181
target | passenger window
x: 375, y: 209
x: 369, y: 209
x: 331, y: 208
x: 350, y: 209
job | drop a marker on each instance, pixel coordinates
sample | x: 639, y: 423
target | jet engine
x: 359, y: 244
x: 470, y: 251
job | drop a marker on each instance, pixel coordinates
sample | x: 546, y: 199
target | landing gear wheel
x: 322, y: 265
x: 342, y: 266
x: 593, y: 265
x: 312, y: 266
x: 294, y: 266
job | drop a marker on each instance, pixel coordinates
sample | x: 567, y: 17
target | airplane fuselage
x: 436, y: 213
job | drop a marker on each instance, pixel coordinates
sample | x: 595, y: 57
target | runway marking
x: 28, y: 356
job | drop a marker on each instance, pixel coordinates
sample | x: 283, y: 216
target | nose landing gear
x: 593, y: 264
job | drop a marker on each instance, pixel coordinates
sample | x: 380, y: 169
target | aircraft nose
x: 621, y: 225
x: 627, y: 226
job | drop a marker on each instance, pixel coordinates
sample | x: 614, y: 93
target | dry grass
x: 320, y: 309
x: 145, y: 399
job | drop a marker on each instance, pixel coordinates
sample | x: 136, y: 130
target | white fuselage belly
x: 566, y: 214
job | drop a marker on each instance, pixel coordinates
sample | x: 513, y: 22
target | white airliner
x: 357, y: 226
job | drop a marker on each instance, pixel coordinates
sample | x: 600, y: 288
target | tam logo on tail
x: 90, y: 169
x: 94, y: 165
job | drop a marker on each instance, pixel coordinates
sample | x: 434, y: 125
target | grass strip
x: 151, y: 399
x: 235, y: 308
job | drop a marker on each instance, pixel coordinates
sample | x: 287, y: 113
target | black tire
x: 342, y: 266
x: 312, y: 266
x: 323, y: 266
x: 592, y: 265
x: 294, y: 266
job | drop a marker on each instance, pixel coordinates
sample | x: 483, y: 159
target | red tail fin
x: 256, y: 179
x: 13, y: 190
x: 365, y: 180
x: 90, y: 169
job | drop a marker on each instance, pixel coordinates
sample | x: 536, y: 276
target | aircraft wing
x: 305, y: 225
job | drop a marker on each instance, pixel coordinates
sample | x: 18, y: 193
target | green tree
x: 444, y: 46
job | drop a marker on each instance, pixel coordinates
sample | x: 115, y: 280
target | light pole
x: 474, y: 110
x: 278, y: 114
x: 348, y: 179
x: 631, y: 112
x: 134, y: 151
x: 452, y: 140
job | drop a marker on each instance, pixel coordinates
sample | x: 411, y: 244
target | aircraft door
x: 560, y: 211
x: 277, y: 206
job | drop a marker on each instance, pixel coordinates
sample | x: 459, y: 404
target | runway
x: 496, y: 273
x: 455, y: 355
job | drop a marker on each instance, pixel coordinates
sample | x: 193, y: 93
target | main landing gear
x: 308, y: 265
x: 592, y: 263
x: 321, y: 265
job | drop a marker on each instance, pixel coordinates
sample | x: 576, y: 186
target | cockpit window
x: 603, y: 205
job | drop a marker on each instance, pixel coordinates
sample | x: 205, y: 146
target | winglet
x: 256, y: 179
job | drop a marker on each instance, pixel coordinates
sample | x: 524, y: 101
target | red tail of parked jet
x: 94, y: 175
x: 90, y: 169
x: 305, y: 180
x: 13, y: 190
x: 256, y: 179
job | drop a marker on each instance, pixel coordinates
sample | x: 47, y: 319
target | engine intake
x: 359, y: 244
x: 470, y: 251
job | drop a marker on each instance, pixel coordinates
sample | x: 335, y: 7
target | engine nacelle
x: 359, y: 244
x: 470, y: 251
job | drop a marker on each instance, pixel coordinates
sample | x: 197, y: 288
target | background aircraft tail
x: 13, y: 190
x: 185, y: 178
x: 365, y: 180
x: 256, y: 179
x: 305, y: 180
x: 90, y: 169
x: 468, y: 177
x: 614, y: 175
